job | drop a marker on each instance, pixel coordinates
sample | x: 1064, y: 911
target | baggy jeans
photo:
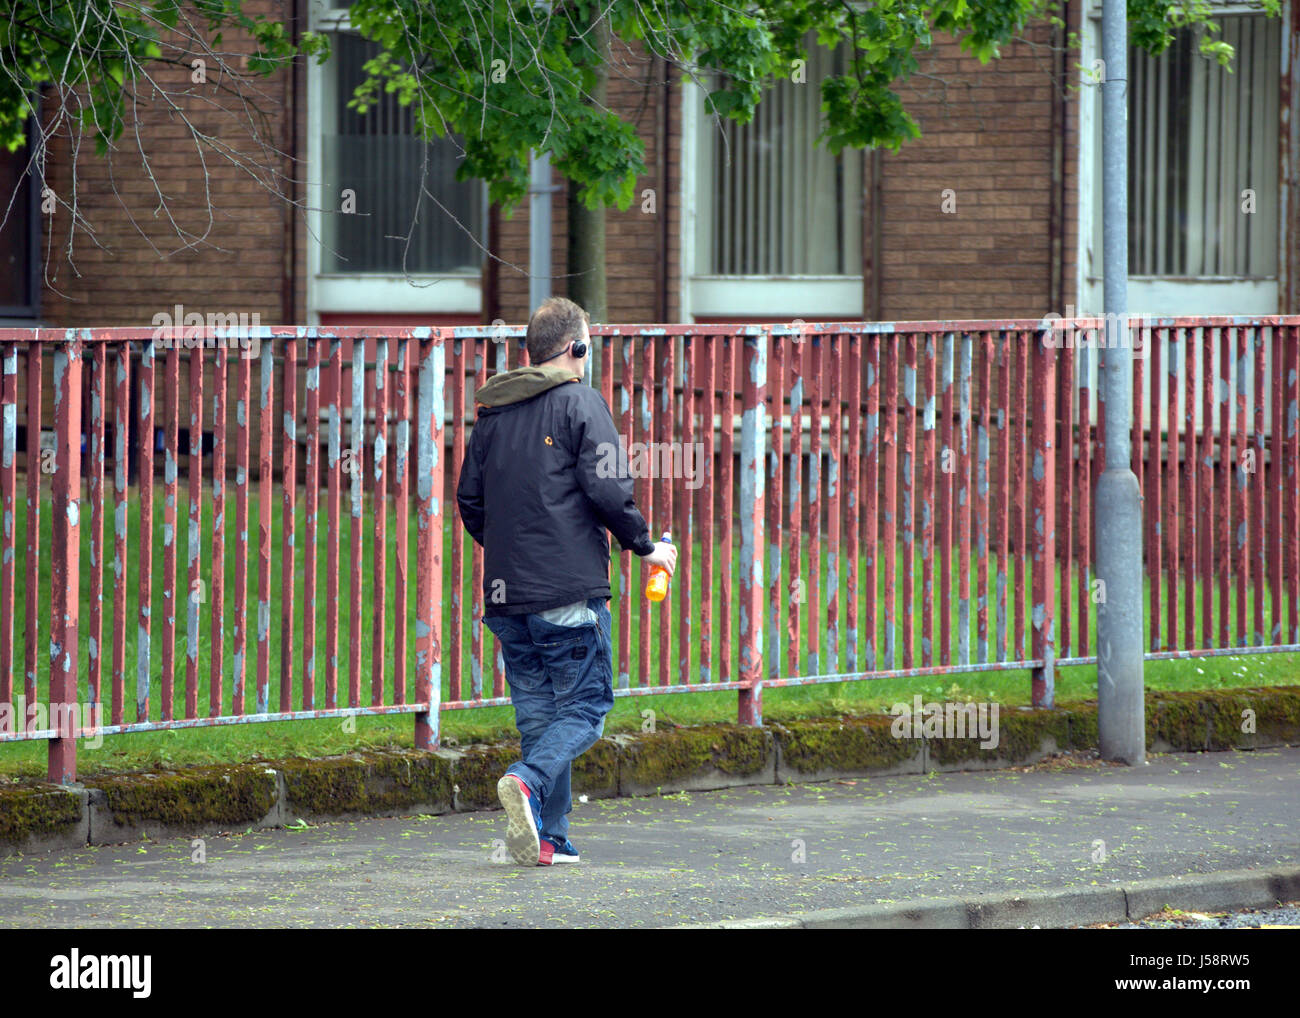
x: 561, y: 683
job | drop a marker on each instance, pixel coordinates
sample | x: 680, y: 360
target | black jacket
x: 544, y: 477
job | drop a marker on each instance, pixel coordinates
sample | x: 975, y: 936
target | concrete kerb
x: 35, y: 816
x: 1224, y: 891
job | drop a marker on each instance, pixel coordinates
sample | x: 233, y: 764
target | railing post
x: 752, y: 431
x: 428, y: 549
x: 64, y: 554
x: 1043, y: 514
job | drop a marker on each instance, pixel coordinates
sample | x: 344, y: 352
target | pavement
x: 1071, y: 840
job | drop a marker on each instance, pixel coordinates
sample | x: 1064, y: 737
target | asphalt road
x: 699, y: 857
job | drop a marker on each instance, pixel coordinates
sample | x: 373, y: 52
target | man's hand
x: 664, y: 556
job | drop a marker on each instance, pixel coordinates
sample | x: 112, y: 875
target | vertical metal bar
x: 982, y: 495
x: 288, y: 521
x: 94, y: 655
x: 834, y: 456
x: 265, y: 502
x: 775, y: 462
x: 852, y: 496
x: 870, y: 489
x: 1083, y: 486
x: 379, y: 455
x: 929, y: 453
x: 1192, y: 570
x: 1172, y: 497
x: 963, y: 482
x: 333, y: 466
x: 816, y: 633
x: 793, y: 632
x: 1227, y: 341
x: 65, y: 545
x: 909, y: 516
x: 1210, y: 526
x: 454, y: 662
x: 428, y: 552
x: 312, y: 508
x: 356, y: 472
x: 685, y: 523
x: 664, y: 427
x: 401, y: 501
x: 1043, y: 476
x: 1154, y: 494
x: 1257, y: 483
x: 753, y: 429
x: 1021, y: 501
x: 703, y: 368
x: 647, y: 502
x: 728, y: 386
x: 889, y: 439
x: 195, y: 594
x: 1274, y: 530
x: 215, y: 689
x: 1292, y: 494
x: 1241, y: 556
x: 243, y: 440
x: 8, y: 557
x: 626, y: 596
x: 476, y: 559
x: 35, y: 467
x: 1004, y: 486
x: 943, y: 500
x: 1136, y: 439
x: 1065, y: 480
x: 144, y: 622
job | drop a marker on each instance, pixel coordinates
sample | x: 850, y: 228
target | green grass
x: 318, y: 737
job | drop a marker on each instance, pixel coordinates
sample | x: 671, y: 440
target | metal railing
x: 866, y: 500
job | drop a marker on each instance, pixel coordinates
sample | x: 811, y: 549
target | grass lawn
x: 319, y: 737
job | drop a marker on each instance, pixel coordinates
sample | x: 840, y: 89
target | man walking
x: 532, y: 494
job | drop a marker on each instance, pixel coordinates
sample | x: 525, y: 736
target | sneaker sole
x: 522, y: 839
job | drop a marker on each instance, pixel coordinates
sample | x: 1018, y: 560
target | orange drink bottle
x: 656, y: 588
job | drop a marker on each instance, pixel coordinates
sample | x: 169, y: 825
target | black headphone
x: 578, y: 347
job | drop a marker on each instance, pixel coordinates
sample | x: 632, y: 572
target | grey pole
x: 539, y: 229
x: 1121, y: 710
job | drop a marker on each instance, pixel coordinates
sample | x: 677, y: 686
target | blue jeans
x: 561, y: 683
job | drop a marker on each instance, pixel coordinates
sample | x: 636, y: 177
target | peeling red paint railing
x: 974, y: 440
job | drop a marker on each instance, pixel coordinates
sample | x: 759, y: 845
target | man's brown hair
x: 555, y: 324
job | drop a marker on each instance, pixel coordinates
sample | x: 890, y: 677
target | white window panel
x: 774, y: 221
x: 1198, y: 138
x: 362, y: 261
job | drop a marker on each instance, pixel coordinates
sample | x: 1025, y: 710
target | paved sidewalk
x: 703, y: 857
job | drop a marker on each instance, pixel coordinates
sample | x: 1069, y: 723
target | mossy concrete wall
x: 35, y: 816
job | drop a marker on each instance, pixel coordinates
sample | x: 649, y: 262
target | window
x: 378, y: 157
x: 1202, y: 149
x: 781, y: 205
x: 1204, y: 192
x: 19, y: 236
x: 774, y: 221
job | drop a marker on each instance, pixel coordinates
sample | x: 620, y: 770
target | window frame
x: 1201, y: 295
x: 341, y: 293
x: 708, y: 295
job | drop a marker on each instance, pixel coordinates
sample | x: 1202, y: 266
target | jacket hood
x: 522, y: 383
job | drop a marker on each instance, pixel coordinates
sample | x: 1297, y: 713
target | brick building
x: 992, y: 213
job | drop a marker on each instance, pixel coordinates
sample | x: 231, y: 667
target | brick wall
x: 118, y: 276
